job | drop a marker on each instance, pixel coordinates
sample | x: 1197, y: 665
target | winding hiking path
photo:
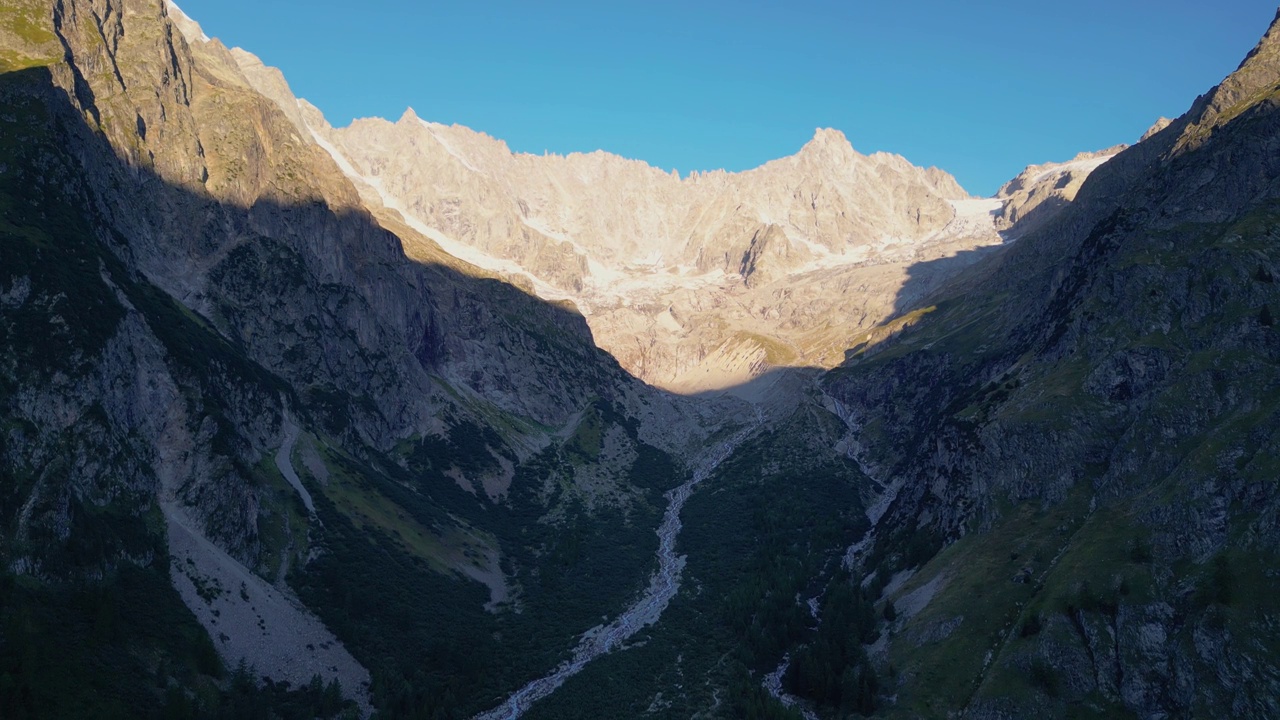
x: 663, y: 586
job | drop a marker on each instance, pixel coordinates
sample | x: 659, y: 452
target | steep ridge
x: 1086, y: 424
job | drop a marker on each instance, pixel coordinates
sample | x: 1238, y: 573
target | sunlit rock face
x: 693, y: 283
x: 1038, y: 193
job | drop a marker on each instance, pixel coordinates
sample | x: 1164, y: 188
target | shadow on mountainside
x: 926, y: 279
x: 116, y: 282
x: 1091, y: 387
x: 402, y: 375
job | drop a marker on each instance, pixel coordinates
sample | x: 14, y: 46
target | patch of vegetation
x: 468, y: 447
x: 282, y: 519
x: 429, y: 644
x: 586, y: 563
x: 776, y: 353
x: 1090, y: 599
x: 1218, y: 586
x: 863, y: 344
x: 1031, y: 626
x: 987, y: 597
x: 585, y: 443
x: 357, y: 496
x: 27, y: 22
x: 1044, y: 677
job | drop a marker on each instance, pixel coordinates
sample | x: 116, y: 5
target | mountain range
x: 300, y: 421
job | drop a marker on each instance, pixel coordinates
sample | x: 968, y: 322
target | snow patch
x: 975, y: 219
x: 186, y: 24
x: 1087, y: 165
x: 431, y: 128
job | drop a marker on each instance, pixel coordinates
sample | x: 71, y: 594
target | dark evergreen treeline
x: 832, y: 670
x: 433, y: 650
x: 126, y: 647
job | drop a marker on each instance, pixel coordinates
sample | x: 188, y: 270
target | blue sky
x: 978, y: 88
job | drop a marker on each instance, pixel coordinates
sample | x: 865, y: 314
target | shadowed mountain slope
x: 213, y: 353
x: 1087, y: 424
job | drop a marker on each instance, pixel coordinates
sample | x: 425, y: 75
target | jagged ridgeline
x: 268, y: 450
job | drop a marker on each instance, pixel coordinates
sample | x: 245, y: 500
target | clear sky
x: 979, y: 88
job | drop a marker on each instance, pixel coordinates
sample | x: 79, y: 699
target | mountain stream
x: 663, y: 586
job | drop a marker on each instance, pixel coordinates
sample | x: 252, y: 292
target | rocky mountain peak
x: 409, y: 116
x: 1098, y: 154
x: 825, y: 137
x: 1159, y: 125
x: 189, y: 28
x: 828, y: 143
x: 1267, y: 47
x: 1039, y: 192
